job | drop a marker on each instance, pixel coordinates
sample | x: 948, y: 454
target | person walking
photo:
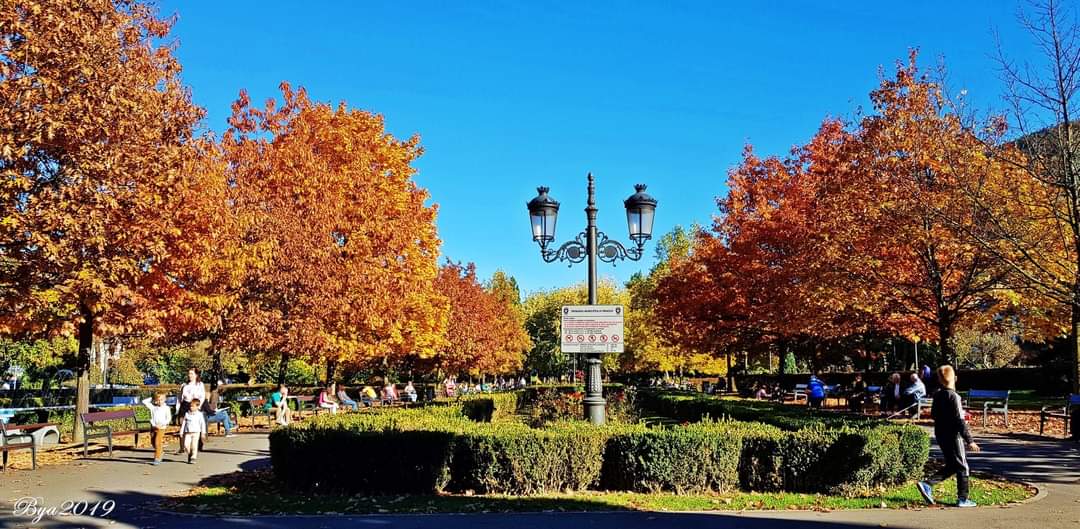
x: 953, y: 436
x: 160, y: 418
x: 193, y: 431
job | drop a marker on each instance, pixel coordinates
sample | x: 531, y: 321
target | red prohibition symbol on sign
x: 603, y: 337
x: 614, y: 337
x: 580, y: 338
x: 592, y: 337
x: 569, y: 337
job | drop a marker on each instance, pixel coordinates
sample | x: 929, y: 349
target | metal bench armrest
x: 15, y: 436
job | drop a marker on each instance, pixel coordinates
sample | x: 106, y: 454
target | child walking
x: 193, y: 430
x: 160, y: 417
x: 952, y: 433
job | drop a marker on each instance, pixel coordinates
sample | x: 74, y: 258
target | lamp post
x: 590, y: 245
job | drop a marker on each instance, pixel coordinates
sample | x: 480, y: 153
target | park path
x: 1052, y: 465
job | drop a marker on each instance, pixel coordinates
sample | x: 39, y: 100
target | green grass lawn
x: 248, y: 493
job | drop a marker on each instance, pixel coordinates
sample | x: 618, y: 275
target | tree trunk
x: 82, y: 369
x: 945, y: 334
x: 1074, y: 347
x: 730, y: 375
x: 283, y: 367
x: 215, y: 366
x: 331, y: 371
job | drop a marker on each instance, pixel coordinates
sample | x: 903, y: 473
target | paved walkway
x: 1053, y: 465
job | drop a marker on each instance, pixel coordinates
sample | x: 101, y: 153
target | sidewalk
x: 1053, y: 465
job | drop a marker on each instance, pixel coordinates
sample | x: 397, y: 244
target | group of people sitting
x: 896, y: 395
x: 901, y: 396
x: 334, y: 397
x: 452, y: 388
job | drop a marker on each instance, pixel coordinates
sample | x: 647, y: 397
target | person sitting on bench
x: 389, y: 393
x: 212, y: 413
x: 280, y: 404
x: 857, y: 395
x: 891, y: 394
x: 914, y: 392
x: 328, y: 399
x: 368, y: 396
x: 344, y: 399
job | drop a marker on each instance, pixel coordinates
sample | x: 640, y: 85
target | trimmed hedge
x: 431, y: 450
x: 490, y: 407
x: 439, y: 448
x: 694, y: 458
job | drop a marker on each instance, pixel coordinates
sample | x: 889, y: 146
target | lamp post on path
x: 591, y: 245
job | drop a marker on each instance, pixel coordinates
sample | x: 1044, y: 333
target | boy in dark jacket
x: 952, y: 433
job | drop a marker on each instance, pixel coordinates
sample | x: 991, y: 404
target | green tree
x: 543, y: 320
x: 984, y: 350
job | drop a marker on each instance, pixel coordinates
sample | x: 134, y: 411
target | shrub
x: 490, y: 407
x: 439, y: 448
x: 811, y: 452
x: 521, y: 460
x: 433, y: 449
x: 694, y: 458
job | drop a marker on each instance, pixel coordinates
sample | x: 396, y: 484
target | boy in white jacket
x: 160, y: 417
x: 193, y: 430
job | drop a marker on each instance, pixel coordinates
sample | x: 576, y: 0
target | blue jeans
x: 221, y: 416
x: 350, y: 402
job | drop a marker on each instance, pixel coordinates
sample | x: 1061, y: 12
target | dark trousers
x: 1074, y: 427
x: 815, y: 402
x: 952, y: 450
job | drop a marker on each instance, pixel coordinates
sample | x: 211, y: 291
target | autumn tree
x: 96, y: 128
x: 485, y: 334
x: 647, y: 346
x: 543, y: 322
x: 1030, y: 218
x: 344, y: 266
x: 896, y: 224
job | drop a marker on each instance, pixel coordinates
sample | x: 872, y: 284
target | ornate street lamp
x: 592, y: 244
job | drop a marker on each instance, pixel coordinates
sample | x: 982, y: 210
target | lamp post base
x: 595, y: 405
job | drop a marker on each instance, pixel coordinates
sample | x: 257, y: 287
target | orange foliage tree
x: 95, y: 131
x: 486, y: 334
x: 862, y: 231
x: 345, y: 249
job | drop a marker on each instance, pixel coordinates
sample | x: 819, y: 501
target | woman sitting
x: 328, y: 398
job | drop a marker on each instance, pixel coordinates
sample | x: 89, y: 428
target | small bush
x: 694, y: 458
x: 490, y: 407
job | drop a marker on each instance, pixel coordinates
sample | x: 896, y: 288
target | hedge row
x: 430, y: 450
x: 439, y: 449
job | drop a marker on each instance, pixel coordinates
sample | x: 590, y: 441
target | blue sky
x: 508, y: 95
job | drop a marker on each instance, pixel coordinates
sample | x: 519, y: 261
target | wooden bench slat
x: 96, y: 416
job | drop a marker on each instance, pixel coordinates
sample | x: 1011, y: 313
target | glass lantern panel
x: 633, y: 221
x: 647, y: 221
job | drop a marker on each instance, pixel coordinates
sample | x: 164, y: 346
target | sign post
x: 592, y: 329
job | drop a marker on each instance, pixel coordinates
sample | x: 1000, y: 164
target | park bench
x: 118, y: 402
x: 799, y: 392
x: 93, y: 430
x: 1072, y: 405
x: 10, y: 442
x: 306, y: 403
x: 990, y: 400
